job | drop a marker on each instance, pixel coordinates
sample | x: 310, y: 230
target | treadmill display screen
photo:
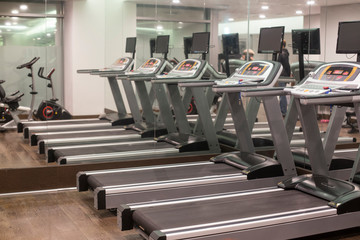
x: 119, y: 64
x: 337, y: 73
x: 151, y: 63
x: 187, y: 65
x: 255, y: 69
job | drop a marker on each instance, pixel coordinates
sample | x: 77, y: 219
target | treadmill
x: 111, y: 187
x: 143, y: 126
x: 301, y: 206
x: 343, y: 159
x: 120, y: 66
x: 180, y: 141
x: 261, y: 140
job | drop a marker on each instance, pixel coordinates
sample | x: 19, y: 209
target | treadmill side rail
x: 251, y: 164
x: 342, y: 195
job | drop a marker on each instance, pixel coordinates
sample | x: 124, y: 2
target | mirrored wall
x: 30, y: 29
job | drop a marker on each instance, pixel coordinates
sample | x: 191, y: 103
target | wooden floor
x: 60, y: 215
x: 69, y: 214
x: 15, y: 152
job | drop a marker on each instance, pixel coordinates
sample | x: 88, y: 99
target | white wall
x: 330, y: 18
x: 120, y: 23
x: 214, y: 39
x: 94, y: 36
x: 314, y: 21
x: 255, y: 25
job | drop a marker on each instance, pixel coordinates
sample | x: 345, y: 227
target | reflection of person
x: 251, y: 55
x: 284, y: 60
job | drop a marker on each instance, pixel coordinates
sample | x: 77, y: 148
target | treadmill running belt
x: 340, y: 160
x: 109, y: 149
x: 172, y: 216
x: 152, y: 175
x: 51, y: 123
x: 115, y: 131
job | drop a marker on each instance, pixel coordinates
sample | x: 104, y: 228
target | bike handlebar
x: 48, y: 76
x: 28, y: 64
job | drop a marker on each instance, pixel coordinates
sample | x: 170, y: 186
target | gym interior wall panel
x: 84, y: 41
x: 330, y: 18
x: 120, y: 23
x: 94, y: 36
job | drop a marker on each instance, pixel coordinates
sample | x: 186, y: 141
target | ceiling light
x: 176, y: 1
x: 264, y: 7
x: 48, y: 34
x: 299, y: 12
x: 230, y: 19
x: 15, y: 11
x: 262, y: 16
x: 311, y: 2
x: 38, y: 38
x: 179, y: 27
x: 17, y: 27
x: 7, y: 23
x: 23, y: 7
x: 159, y: 27
x: 180, y: 22
x: 0, y: 31
x: 15, y: 18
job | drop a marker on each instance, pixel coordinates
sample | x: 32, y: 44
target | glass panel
x: 147, y: 30
x: 333, y: 12
x: 173, y: 12
x: 23, y: 8
x: 26, y: 32
x: 115, y: 47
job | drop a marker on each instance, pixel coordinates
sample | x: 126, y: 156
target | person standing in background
x: 245, y: 53
x: 284, y: 60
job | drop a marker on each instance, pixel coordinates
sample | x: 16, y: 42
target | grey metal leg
x: 307, y: 114
x: 278, y: 133
x: 199, y: 128
x: 291, y: 118
x: 332, y: 132
x: 243, y: 133
x: 114, y: 86
x: 222, y: 113
x: 187, y: 96
x: 356, y: 167
x: 205, y: 118
x: 133, y: 104
x: 144, y: 100
x: 179, y: 109
x: 152, y: 97
x: 164, y: 106
x: 252, y: 111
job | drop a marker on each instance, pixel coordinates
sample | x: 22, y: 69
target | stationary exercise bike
x: 10, y: 109
x: 48, y: 109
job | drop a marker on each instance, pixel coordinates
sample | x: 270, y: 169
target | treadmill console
x: 120, y: 64
x: 150, y: 66
x: 185, y: 69
x: 250, y: 73
x: 330, y: 78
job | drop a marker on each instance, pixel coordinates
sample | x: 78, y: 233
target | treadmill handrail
x: 202, y: 83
